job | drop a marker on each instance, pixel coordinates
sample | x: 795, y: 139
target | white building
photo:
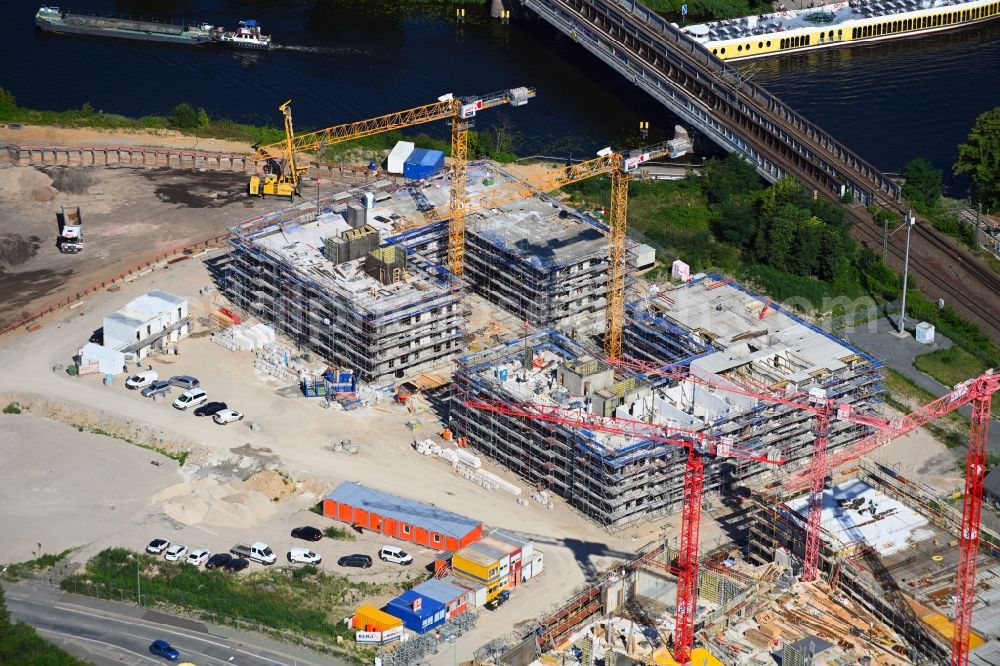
x: 151, y: 322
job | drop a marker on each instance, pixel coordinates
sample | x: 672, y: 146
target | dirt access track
x: 129, y: 214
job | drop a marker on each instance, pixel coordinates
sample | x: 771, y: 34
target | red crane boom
x: 697, y: 444
x: 824, y: 409
x: 977, y: 392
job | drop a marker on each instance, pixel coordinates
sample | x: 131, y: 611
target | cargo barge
x: 838, y: 24
x: 68, y: 21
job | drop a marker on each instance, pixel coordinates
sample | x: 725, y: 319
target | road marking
x: 74, y: 637
x: 172, y: 630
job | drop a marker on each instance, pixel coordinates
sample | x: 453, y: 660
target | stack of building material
x: 244, y: 337
x: 275, y: 359
x: 760, y: 639
x: 483, y: 478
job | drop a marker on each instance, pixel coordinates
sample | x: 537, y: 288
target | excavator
x: 283, y: 173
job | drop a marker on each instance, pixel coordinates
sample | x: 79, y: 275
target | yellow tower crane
x: 282, y: 173
x: 620, y: 166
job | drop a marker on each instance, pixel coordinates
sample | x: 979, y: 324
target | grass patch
x: 41, y: 563
x: 20, y: 644
x: 339, y: 534
x: 12, y: 408
x: 302, y: 601
x: 904, y: 395
x: 953, y: 366
x: 180, y: 456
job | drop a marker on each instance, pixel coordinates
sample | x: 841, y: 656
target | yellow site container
x: 369, y: 618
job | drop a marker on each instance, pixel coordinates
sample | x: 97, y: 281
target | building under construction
x: 721, y: 332
x: 888, y: 545
x: 348, y: 284
x: 327, y: 283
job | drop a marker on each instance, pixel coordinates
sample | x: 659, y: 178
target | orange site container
x: 369, y: 618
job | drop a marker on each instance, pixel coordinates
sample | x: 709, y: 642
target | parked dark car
x: 163, y: 649
x: 361, y: 561
x: 498, y: 601
x: 210, y: 409
x: 218, y: 561
x: 236, y: 564
x: 307, y: 534
x: 97, y: 337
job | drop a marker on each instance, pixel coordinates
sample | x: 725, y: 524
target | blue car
x: 163, y: 649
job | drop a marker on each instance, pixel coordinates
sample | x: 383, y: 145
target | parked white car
x: 301, y: 555
x: 227, y: 416
x: 191, y: 398
x: 395, y: 555
x: 157, y: 546
x: 141, y: 379
x: 175, y: 552
x: 198, y: 557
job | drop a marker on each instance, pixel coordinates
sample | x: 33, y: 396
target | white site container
x: 925, y: 333
x: 398, y: 155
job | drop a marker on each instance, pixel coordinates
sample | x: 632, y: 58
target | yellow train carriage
x: 874, y: 28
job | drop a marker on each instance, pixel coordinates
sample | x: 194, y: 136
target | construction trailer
x: 400, y: 518
x: 709, y: 325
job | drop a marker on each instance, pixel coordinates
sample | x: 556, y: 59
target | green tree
x: 183, y: 116
x: 203, y: 120
x: 20, y: 644
x: 777, y: 236
x: 923, y: 184
x: 8, y: 103
x: 979, y: 157
x: 736, y: 223
x: 732, y: 177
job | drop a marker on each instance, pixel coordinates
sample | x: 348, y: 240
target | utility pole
x: 910, y: 222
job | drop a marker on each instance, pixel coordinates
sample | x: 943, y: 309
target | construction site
x: 632, y: 409
x: 637, y: 404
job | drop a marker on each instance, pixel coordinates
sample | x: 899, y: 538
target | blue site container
x: 430, y: 614
x: 423, y: 163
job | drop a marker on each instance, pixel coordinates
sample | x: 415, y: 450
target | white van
x: 396, y: 555
x: 141, y: 380
x: 190, y: 398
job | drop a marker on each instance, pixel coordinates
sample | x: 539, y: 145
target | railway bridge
x: 742, y: 117
x: 712, y: 97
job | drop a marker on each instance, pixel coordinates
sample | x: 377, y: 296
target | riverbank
x: 91, y: 136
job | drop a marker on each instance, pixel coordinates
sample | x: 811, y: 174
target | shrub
x: 12, y: 408
x: 339, y: 534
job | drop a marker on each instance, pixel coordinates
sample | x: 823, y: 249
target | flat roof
x: 880, y: 521
x: 428, y: 605
x: 404, y: 510
x: 440, y: 590
x: 483, y: 555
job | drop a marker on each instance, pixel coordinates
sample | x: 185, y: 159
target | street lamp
x: 138, y: 580
x: 910, y: 222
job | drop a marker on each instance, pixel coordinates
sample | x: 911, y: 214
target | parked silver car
x: 160, y: 386
x: 185, y: 382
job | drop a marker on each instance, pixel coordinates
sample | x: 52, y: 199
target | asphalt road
x: 106, y: 634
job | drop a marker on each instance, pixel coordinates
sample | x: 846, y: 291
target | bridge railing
x: 774, y: 104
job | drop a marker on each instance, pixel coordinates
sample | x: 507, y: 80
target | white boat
x: 247, y: 36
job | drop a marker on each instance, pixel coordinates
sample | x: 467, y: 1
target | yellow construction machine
x: 282, y: 173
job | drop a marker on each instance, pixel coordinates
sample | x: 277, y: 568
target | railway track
x: 943, y: 269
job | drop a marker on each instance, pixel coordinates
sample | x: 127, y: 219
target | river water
x: 341, y: 60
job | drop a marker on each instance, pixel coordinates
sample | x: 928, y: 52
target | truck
x: 258, y: 552
x: 71, y: 231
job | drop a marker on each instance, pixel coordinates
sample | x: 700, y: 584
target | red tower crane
x: 824, y: 409
x: 698, y: 444
x: 976, y: 392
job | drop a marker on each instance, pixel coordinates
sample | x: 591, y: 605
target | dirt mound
x: 271, y: 484
x: 208, y: 501
x: 71, y: 180
x: 25, y: 183
x: 15, y: 249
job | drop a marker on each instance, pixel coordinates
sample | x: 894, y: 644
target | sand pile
x: 208, y: 501
x: 25, y: 183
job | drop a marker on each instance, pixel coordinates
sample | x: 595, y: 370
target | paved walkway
x: 879, y: 339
